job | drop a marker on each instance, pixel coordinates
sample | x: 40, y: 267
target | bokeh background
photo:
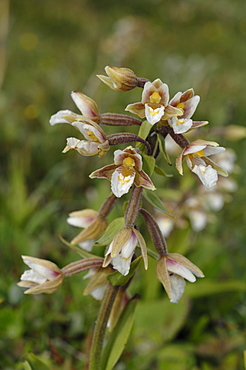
x: 49, y: 48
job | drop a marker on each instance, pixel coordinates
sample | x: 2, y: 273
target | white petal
x: 129, y: 247
x: 180, y: 125
x: 215, y: 201
x: 87, y: 245
x: 58, y: 117
x: 40, y: 270
x: 177, y: 287
x: 166, y: 225
x: 122, y: 264
x: 198, y: 220
x: 178, y: 269
x: 31, y: 275
x: 89, y: 131
x: 119, y: 184
x: 82, y: 222
x: 207, y: 175
x: 72, y: 143
x: 98, y: 292
x: 210, y: 150
x: 153, y: 115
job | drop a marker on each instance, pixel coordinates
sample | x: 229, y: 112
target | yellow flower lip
x: 92, y: 136
x: 128, y: 162
x: 155, y: 98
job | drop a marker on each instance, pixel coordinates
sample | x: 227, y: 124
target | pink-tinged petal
x: 33, y: 276
x: 178, y: 269
x: 147, y: 91
x: 129, y: 247
x: 153, y: 115
x: 136, y: 108
x: 177, y: 288
x: 188, y: 94
x: 122, y: 180
x: 186, y: 263
x: 164, y: 93
x: 119, y: 156
x: 207, y: 175
x: 104, y: 172
x: 63, y: 116
x: 156, y: 86
x: 210, y: 150
x: 43, y: 267
x: 82, y: 218
x: 176, y: 99
x: 190, y: 106
x: 143, y: 180
x: 86, y: 105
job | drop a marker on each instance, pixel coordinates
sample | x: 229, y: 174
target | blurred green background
x: 47, y: 49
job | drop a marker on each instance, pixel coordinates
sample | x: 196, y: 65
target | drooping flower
x: 187, y: 102
x: 196, y: 155
x: 93, y: 225
x: 120, y: 251
x: 119, y: 79
x: 126, y: 171
x: 43, y: 277
x: 95, y: 139
x: 98, y: 282
x: 154, y: 104
x: 172, y: 270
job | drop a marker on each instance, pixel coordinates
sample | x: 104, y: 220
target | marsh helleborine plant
x: 157, y: 117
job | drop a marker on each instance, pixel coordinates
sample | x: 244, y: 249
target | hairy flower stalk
x: 76, y: 267
x: 120, y: 138
x: 100, y: 327
x: 155, y: 232
x: 114, y: 119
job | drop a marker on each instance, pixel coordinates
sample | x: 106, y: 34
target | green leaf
x: 144, y: 129
x: 162, y: 150
x: 26, y: 366
x: 148, y: 164
x: 159, y: 320
x: 83, y: 253
x: 153, y: 199
x: 116, y: 278
x: 160, y: 171
x: 37, y: 363
x: 208, y: 287
x: 113, y: 228
x: 119, y: 336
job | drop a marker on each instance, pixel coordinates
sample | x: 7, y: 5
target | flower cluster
x: 158, y: 117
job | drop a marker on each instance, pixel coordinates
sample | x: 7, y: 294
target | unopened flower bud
x: 120, y: 79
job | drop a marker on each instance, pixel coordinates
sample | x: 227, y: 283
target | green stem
x: 100, y: 328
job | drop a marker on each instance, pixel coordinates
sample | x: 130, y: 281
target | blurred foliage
x: 48, y: 49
